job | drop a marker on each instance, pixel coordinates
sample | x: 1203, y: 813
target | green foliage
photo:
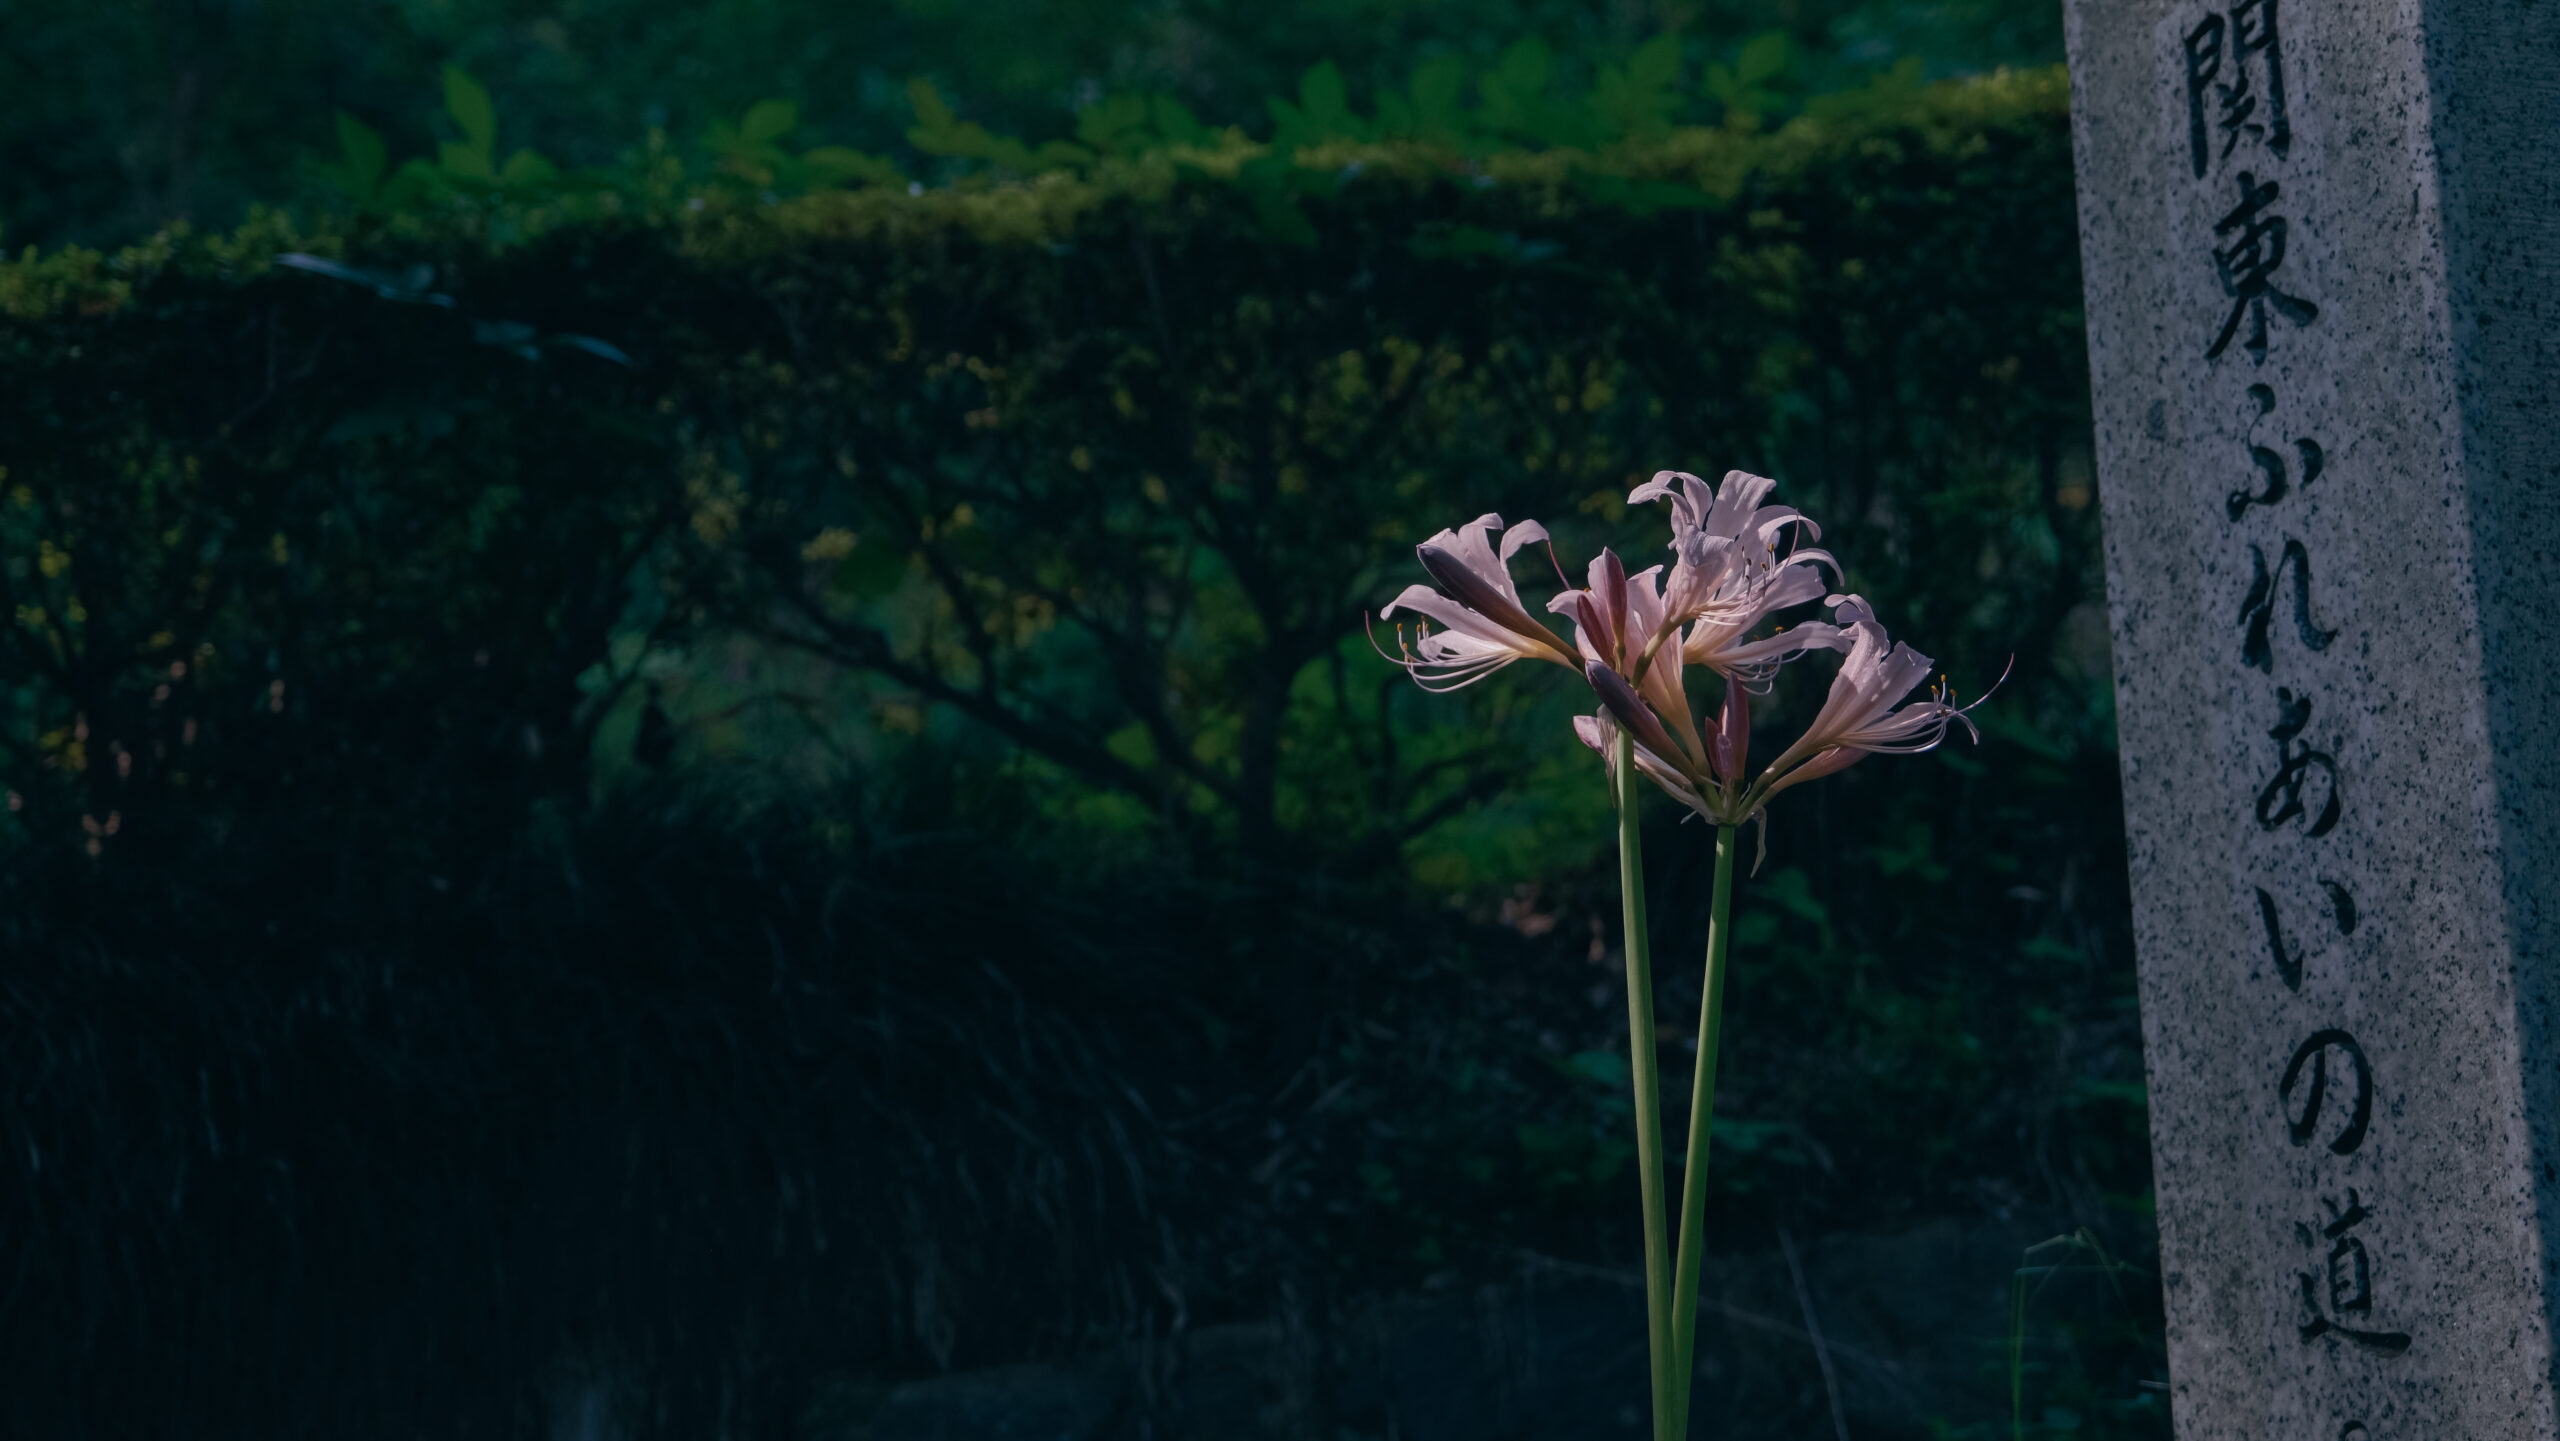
x: 1640, y: 100
x: 1748, y: 87
x: 1590, y: 116
x: 2085, y: 1353
x: 124, y: 118
x: 938, y: 132
x: 364, y: 159
x: 467, y: 103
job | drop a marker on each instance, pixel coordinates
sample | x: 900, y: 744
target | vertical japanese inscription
x: 2254, y: 234
x: 2235, y: 83
x: 2256, y: 334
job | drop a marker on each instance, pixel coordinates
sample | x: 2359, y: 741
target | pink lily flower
x: 1629, y: 644
x: 1859, y: 718
x: 1730, y: 577
x: 1484, y: 625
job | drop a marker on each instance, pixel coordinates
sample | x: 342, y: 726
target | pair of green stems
x: 1670, y: 1283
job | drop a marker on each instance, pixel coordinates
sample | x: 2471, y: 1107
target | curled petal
x: 1838, y: 758
x: 1593, y: 731
x: 1472, y: 544
x: 1423, y: 600
x: 1527, y: 532
x: 1689, y: 496
x: 1664, y: 484
x: 1859, y: 717
x: 1852, y: 611
x: 1754, y: 664
x: 1478, y: 594
x: 1805, y: 558
x: 1591, y: 633
x: 1737, y: 506
x: 1486, y: 627
x: 1469, y: 647
x: 1446, y: 660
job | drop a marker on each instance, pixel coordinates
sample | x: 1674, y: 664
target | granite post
x: 2322, y: 242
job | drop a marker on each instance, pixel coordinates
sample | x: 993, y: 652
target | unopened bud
x: 1631, y: 711
x: 1611, y: 581
x: 1731, y: 745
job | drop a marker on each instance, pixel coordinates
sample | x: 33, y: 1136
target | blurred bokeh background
x: 691, y: 751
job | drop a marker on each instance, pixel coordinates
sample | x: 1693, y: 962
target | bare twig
x: 1813, y: 1333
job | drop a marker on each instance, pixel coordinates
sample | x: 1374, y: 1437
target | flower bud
x: 1609, y: 578
x: 1631, y: 712
x: 1731, y: 744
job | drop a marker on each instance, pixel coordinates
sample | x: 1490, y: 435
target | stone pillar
x: 2322, y: 241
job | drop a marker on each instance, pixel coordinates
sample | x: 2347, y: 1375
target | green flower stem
x: 1646, y: 1066
x: 1702, y: 1106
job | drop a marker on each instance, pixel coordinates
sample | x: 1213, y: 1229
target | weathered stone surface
x: 2322, y: 243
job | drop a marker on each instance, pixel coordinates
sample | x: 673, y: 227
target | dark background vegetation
x: 729, y: 746
x: 125, y: 114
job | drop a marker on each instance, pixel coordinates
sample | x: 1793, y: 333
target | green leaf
x: 468, y: 103
x: 1175, y: 122
x: 1747, y: 89
x: 933, y: 113
x: 1272, y: 183
x: 1763, y: 58
x: 768, y: 121
x: 939, y: 132
x: 1885, y: 93
x: 1640, y: 99
x: 1606, y: 1067
x: 466, y: 162
x: 412, y: 184
x: 1516, y: 99
x: 1115, y: 123
x: 1439, y: 88
x: 1522, y: 72
x: 1915, y: 856
x: 1395, y: 115
x: 1289, y: 127
x: 833, y: 165
x: 1792, y: 891
x: 526, y: 169
x: 1656, y: 64
x: 1326, y: 102
x: 366, y: 156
